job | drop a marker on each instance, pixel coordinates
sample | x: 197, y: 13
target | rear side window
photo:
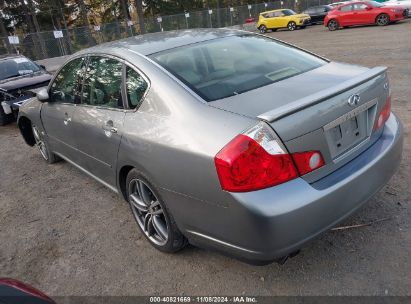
x: 346, y: 8
x: 102, y: 83
x: 136, y: 88
x: 229, y: 66
x: 66, y: 86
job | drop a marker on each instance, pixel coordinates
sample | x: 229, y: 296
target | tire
x: 152, y: 215
x: 291, y: 26
x: 4, y: 118
x: 43, y: 146
x: 333, y: 25
x: 382, y: 20
x: 262, y: 29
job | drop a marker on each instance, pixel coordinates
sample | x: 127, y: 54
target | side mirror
x: 369, y: 8
x: 43, y: 67
x: 42, y: 95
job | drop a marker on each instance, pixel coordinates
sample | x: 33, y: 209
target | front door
x: 57, y: 114
x: 98, y: 123
x: 361, y: 15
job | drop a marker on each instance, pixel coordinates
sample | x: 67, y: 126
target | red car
x: 362, y: 13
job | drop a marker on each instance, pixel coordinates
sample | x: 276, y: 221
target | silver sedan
x: 224, y: 139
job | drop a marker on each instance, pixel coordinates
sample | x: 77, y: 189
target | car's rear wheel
x: 291, y: 26
x: 152, y: 216
x: 42, y: 145
x: 262, y: 29
x: 382, y: 19
x: 333, y: 25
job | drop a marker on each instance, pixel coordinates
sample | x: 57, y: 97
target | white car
x: 404, y: 3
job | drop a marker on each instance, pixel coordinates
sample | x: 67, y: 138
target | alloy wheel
x: 332, y: 25
x: 383, y: 19
x: 41, y: 145
x: 263, y: 29
x: 292, y: 26
x: 148, y: 212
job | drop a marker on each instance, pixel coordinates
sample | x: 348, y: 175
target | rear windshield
x: 233, y: 65
x: 18, y: 66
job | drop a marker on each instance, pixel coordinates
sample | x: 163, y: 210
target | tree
x: 140, y: 13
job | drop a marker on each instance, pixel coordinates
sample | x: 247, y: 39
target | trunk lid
x: 311, y: 111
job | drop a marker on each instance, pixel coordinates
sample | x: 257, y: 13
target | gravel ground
x: 68, y: 235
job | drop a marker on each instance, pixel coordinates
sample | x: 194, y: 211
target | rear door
x: 98, y: 124
x: 57, y: 114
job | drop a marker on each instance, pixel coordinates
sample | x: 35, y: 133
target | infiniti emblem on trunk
x: 354, y: 100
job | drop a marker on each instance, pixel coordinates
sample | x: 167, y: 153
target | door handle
x: 67, y: 119
x: 108, y: 127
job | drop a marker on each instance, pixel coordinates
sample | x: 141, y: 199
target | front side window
x: 102, y: 83
x: 233, y: 65
x: 67, y: 84
x: 136, y: 88
x: 360, y: 7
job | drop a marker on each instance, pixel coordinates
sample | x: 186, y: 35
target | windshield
x: 288, y: 12
x: 229, y: 66
x: 14, y: 67
x: 375, y: 4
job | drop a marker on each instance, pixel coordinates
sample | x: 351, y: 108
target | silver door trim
x: 114, y: 189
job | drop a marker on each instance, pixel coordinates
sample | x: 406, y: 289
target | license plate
x: 349, y: 130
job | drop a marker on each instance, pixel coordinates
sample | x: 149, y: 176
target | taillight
x: 256, y: 160
x: 384, y: 114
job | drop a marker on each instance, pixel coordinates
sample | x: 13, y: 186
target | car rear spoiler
x: 320, y: 96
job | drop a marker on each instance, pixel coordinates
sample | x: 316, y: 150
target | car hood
x: 273, y: 96
x: 24, y: 81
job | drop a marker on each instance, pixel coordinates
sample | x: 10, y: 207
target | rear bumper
x: 263, y: 225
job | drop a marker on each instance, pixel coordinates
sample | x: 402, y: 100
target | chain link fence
x: 44, y: 45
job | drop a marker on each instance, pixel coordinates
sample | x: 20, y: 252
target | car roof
x: 157, y: 42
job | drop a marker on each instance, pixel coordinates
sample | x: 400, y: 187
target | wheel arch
x: 26, y: 131
x: 122, y: 177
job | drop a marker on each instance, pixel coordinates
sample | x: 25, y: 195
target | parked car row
x: 336, y: 15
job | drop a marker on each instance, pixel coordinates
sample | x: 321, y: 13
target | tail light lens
x: 384, y: 114
x: 256, y: 160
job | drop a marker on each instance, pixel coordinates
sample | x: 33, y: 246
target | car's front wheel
x: 382, y: 19
x: 291, y: 26
x: 333, y: 25
x: 43, y: 146
x: 263, y: 29
x: 151, y: 214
